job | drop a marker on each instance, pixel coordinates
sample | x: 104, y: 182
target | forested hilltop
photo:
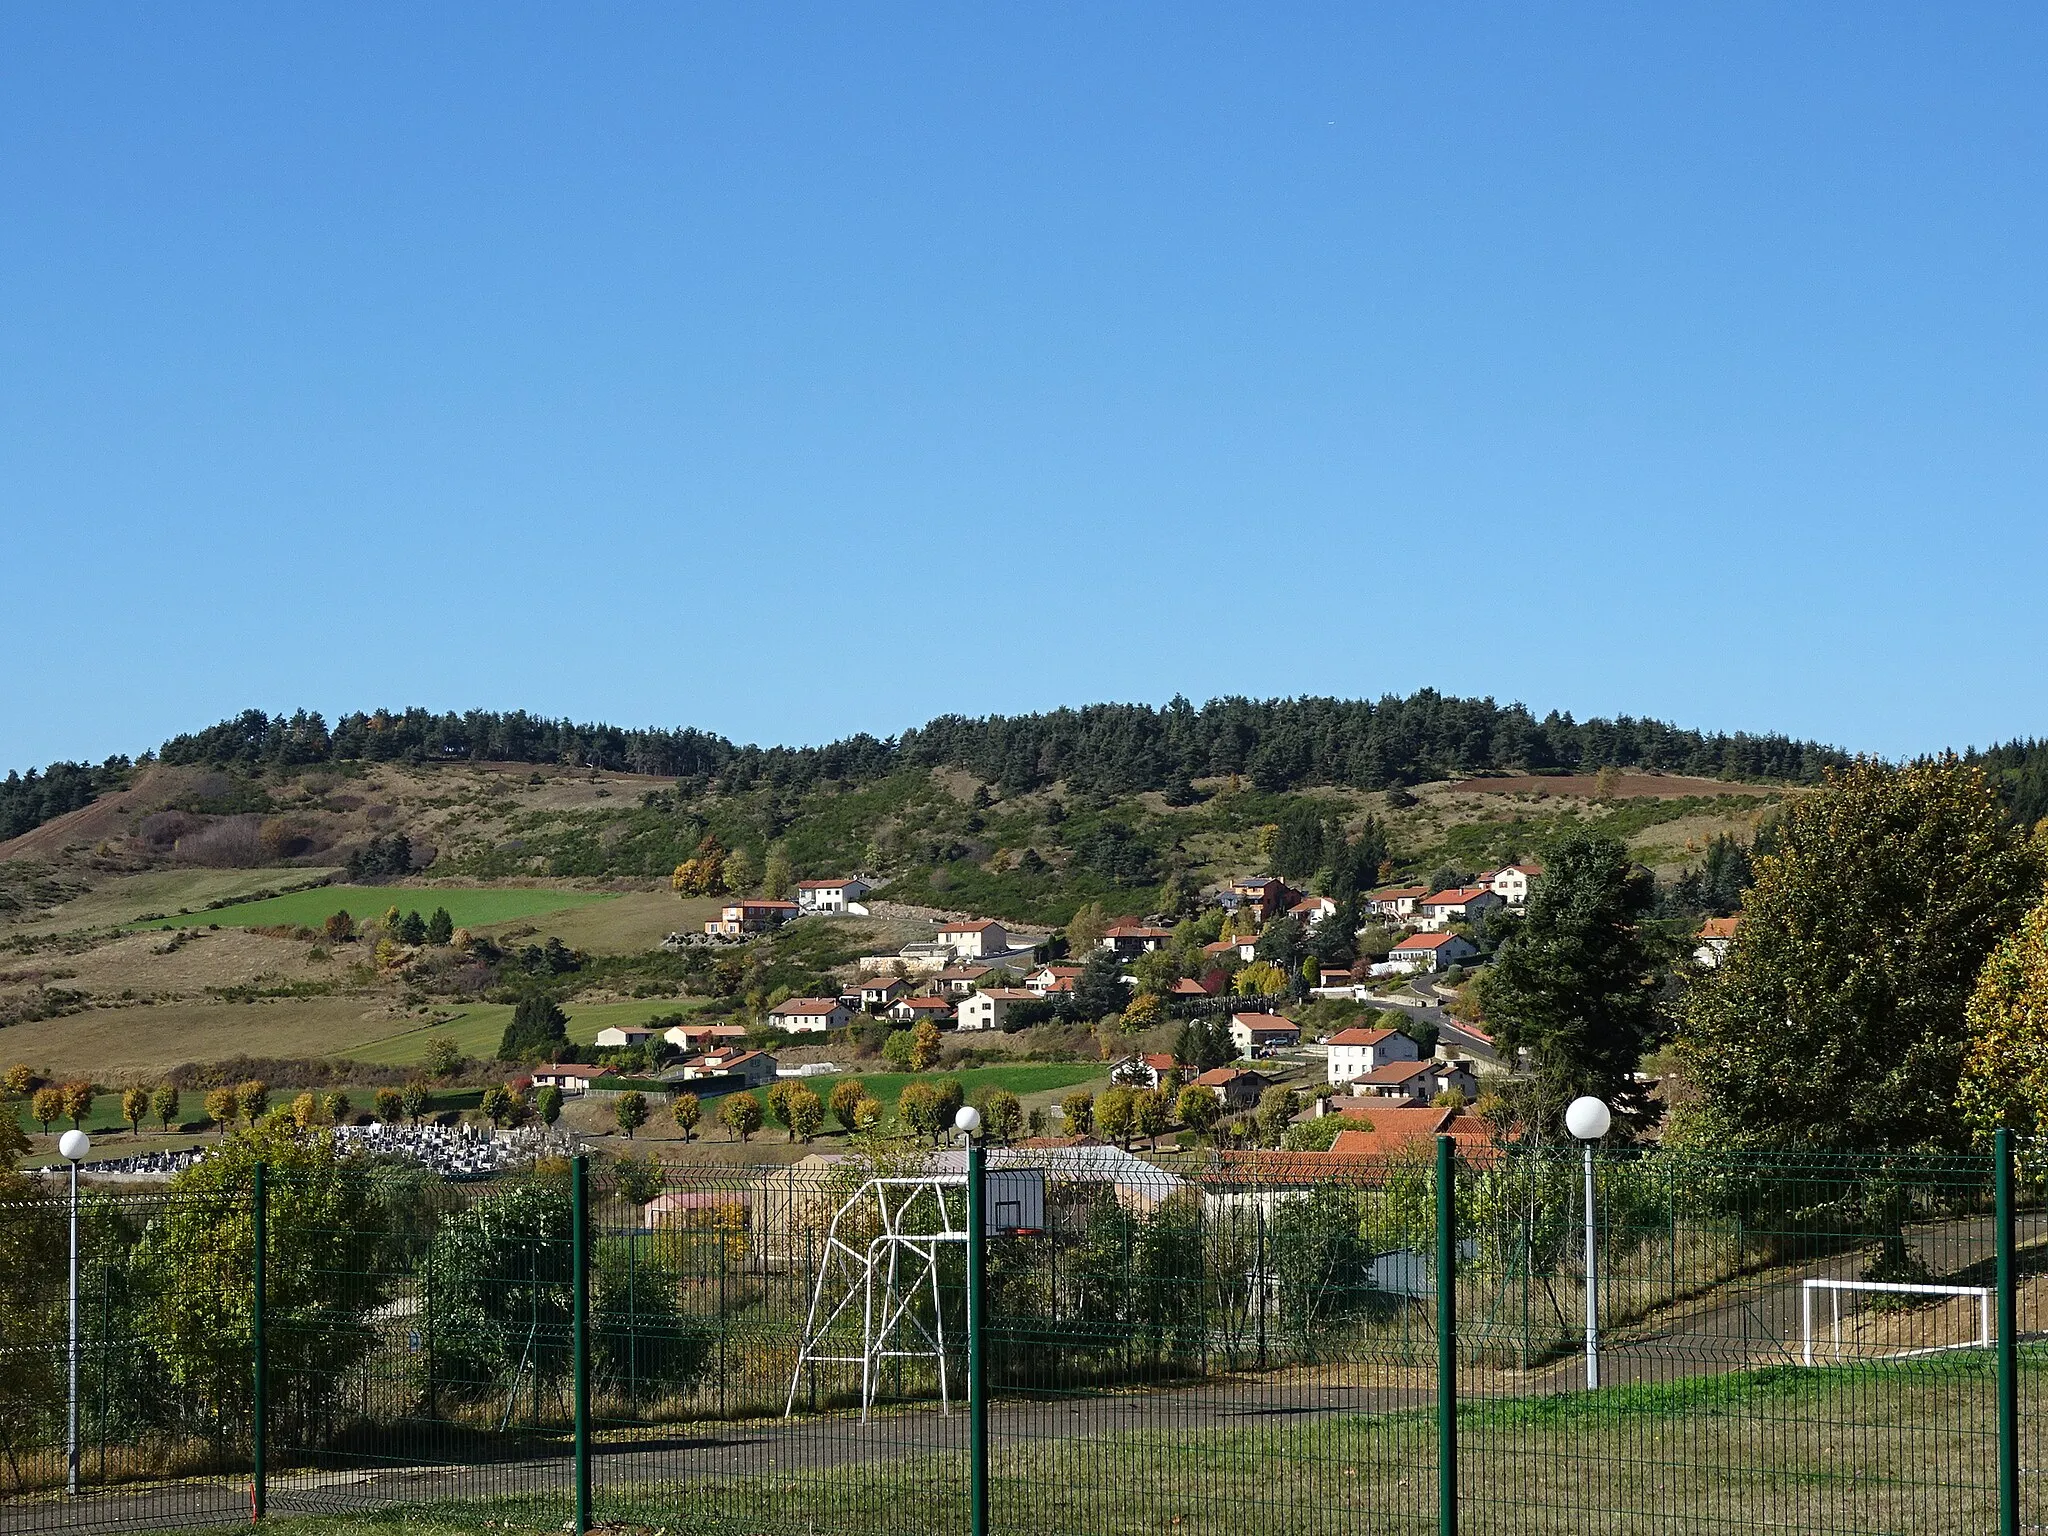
x: 1114, y: 749
x: 1279, y: 744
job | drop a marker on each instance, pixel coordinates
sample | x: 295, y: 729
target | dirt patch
x: 1629, y: 786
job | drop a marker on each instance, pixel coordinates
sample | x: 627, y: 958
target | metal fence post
x: 1446, y: 1337
x: 579, y: 1282
x: 2008, y: 1345
x: 259, y: 1411
x: 977, y: 1319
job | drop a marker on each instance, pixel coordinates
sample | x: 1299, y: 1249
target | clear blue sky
x: 794, y: 371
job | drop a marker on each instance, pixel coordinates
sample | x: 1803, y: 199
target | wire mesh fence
x: 1184, y: 1343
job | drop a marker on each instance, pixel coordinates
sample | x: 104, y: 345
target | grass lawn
x: 1905, y: 1449
x: 469, y: 906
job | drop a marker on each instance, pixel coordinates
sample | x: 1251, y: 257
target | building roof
x: 1225, y: 946
x: 829, y: 885
x: 965, y: 972
x: 881, y: 983
x: 1137, y: 931
x: 942, y: 1004
x: 1393, y: 1127
x: 757, y: 901
x: 1313, y: 903
x: 1400, y: 893
x: 1357, y: 1034
x: 977, y: 925
x: 1006, y: 994
x: 1255, y: 883
x: 1527, y: 869
x: 1428, y: 941
x: 1719, y: 927
x: 572, y: 1069
x: 1187, y: 987
x: 1457, y: 897
x: 807, y: 1006
x: 1398, y: 1072
x: 1270, y: 1023
x: 1160, y: 1061
x: 1223, y: 1077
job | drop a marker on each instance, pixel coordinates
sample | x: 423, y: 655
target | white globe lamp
x: 968, y: 1120
x: 73, y: 1145
x: 1588, y: 1118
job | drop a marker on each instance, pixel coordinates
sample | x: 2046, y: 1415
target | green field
x: 469, y: 906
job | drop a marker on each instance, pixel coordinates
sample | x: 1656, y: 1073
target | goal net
x: 1846, y: 1320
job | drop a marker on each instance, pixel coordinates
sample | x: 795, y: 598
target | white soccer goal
x: 1835, y: 1288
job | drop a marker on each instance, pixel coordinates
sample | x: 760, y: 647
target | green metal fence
x: 1044, y: 1342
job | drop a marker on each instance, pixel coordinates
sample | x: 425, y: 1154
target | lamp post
x: 1588, y: 1119
x: 968, y: 1123
x: 72, y: 1147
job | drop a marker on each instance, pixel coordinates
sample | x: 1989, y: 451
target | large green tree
x: 1837, y: 1019
x: 537, y: 1030
x: 323, y: 1277
x: 1576, y: 985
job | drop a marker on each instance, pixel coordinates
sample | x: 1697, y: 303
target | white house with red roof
x: 831, y: 895
x: 1513, y: 882
x: 1415, y: 1081
x: 1311, y: 910
x: 1715, y: 936
x: 752, y: 1068
x: 810, y: 1015
x: 1358, y: 1050
x: 570, y: 1077
x: 1464, y: 904
x: 1396, y: 902
x: 911, y: 1010
x: 1426, y: 952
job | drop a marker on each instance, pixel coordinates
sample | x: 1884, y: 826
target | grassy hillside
x: 467, y: 906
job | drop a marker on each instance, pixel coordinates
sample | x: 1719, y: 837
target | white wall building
x: 989, y: 1009
x: 1357, y: 1051
x: 831, y: 895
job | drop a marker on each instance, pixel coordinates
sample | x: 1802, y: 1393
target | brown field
x: 114, y: 1046
x: 1629, y: 786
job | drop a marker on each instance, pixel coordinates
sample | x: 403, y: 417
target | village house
x: 572, y: 1078
x: 1513, y: 882
x: 875, y: 993
x: 831, y: 895
x: 741, y: 918
x: 959, y: 980
x: 1188, y: 988
x: 809, y: 1015
x: 752, y: 1068
x: 1238, y: 1087
x: 1396, y: 903
x: 703, y: 1037
x: 1465, y: 904
x: 1426, y: 952
x: 1387, y: 1129
x: 1419, y: 1081
x: 1255, y: 1034
x: 1048, y: 978
x: 1311, y: 910
x: 1266, y: 897
x: 1158, y: 1070
x: 1128, y: 940
x: 990, y: 1007
x: 1715, y: 935
x: 976, y: 939
x: 910, y: 1010
x: 1358, y: 1050
x: 624, y: 1036
x: 1246, y: 949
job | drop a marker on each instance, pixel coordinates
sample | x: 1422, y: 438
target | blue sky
x: 791, y: 371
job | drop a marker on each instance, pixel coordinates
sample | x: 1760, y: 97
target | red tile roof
x: 1391, y: 1128
x: 979, y: 925
x: 1427, y: 941
x: 1397, y: 1072
x: 572, y: 1069
x: 1359, y: 1035
x: 1457, y: 897
x: 940, y: 1004
x: 829, y: 885
x: 1266, y: 1023
x: 1187, y: 987
x: 807, y: 1005
x: 1719, y: 927
x: 1223, y: 1077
